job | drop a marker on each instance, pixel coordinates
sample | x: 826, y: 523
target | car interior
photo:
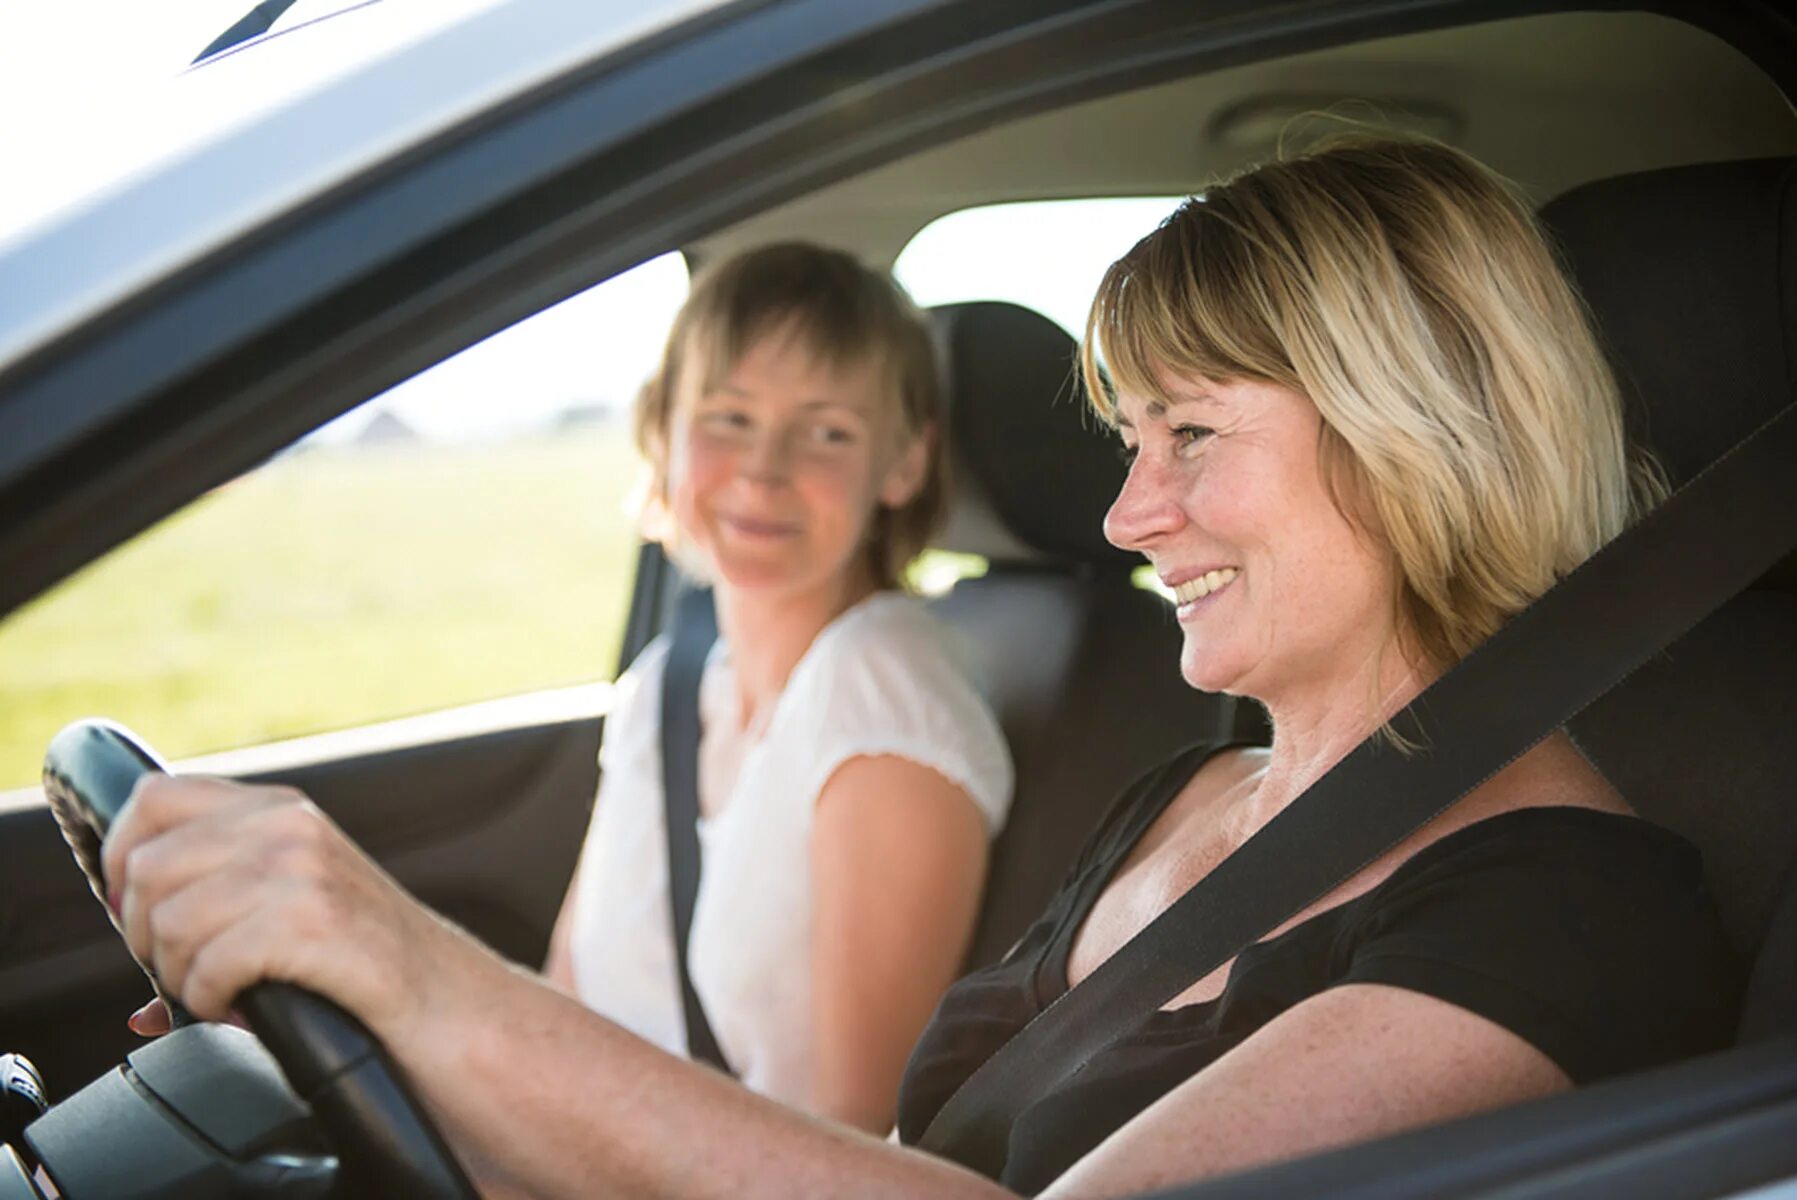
x: 1662, y: 160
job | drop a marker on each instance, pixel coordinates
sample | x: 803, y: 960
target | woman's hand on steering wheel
x: 221, y: 885
x: 248, y: 895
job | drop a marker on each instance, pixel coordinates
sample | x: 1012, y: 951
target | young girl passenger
x: 849, y: 776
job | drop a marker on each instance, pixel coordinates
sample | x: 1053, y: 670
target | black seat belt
x: 695, y: 629
x: 1711, y: 540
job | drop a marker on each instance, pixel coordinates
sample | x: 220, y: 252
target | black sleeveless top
x: 1588, y: 934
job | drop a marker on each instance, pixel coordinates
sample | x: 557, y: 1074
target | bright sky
x: 69, y: 71
x: 75, y: 74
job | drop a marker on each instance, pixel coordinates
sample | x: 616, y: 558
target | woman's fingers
x: 160, y: 803
x: 178, y: 926
x: 221, y: 885
x: 242, y: 953
x: 182, y: 831
x: 152, y: 1020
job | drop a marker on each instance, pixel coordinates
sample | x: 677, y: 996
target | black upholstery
x: 1034, y: 467
x: 1081, y: 667
x: 1690, y: 273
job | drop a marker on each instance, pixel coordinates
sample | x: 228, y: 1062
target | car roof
x: 1621, y: 91
x: 339, y: 89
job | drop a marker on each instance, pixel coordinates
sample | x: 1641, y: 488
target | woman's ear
x: 905, y: 477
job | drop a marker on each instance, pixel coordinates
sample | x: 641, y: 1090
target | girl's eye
x: 725, y: 418
x: 1126, y: 453
x: 831, y: 435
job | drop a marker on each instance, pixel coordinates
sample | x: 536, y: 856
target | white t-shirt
x: 880, y: 679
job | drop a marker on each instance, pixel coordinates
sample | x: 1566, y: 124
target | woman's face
x: 775, y: 473
x: 1278, y: 594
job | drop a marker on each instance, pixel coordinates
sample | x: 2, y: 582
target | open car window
x: 1047, y: 255
x: 464, y: 537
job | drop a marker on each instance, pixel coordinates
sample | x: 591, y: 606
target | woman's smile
x: 1197, y: 591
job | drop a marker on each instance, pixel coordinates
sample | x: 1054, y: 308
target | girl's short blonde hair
x: 842, y: 313
x: 1470, y: 421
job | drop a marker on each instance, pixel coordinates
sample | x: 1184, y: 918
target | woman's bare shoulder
x: 1552, y: 775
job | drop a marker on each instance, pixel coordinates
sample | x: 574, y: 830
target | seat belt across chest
x: 695, y: 629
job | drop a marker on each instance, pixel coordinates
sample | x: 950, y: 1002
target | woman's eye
x: 1191, y: 435
x: 1127, y: 453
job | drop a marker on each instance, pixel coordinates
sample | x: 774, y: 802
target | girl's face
x: 775, y: 472
x: 1278, y: 594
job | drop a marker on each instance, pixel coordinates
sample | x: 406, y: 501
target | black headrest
x: 1034, y: 470
x: 1687, y: 274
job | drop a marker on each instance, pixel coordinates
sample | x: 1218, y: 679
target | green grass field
x: 335, y: 587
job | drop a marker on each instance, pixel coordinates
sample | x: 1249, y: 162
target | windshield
x: 98, y: 92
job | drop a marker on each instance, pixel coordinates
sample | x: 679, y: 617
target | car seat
x: 1691, y: 274
x: 1080, y: 666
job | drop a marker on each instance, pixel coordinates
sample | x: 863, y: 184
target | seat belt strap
x: 1709, y: 541
x: 695, y: 629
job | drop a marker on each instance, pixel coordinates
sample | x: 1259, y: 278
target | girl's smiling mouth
x: 756, y: 527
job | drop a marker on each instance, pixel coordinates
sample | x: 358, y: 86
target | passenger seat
x: 1081, y: 667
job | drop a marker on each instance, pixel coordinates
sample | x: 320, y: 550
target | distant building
x: 387, y: 429
x: 589, y: 415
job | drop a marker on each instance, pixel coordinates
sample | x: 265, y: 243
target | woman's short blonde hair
x: 1470, y: 421
x: 842, y: 313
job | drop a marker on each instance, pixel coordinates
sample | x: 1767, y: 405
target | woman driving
x: 1367, y: 422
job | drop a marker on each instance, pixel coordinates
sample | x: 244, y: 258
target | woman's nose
x: 1144, y: 510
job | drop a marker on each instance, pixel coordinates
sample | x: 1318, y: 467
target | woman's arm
x: 1354, y: 1063
x: 898, y: 858
x: 594, y: 1111
x: 222, y: 885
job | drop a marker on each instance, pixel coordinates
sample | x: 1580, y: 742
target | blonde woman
x: 1367, y: 423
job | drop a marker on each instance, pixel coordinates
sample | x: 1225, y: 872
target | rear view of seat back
x: 1081, y: 667
x: 1692, y: 274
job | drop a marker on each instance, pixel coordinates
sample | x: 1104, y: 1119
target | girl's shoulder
x: 888, y: 639
x: 887, y: 678
x: 882, y: 617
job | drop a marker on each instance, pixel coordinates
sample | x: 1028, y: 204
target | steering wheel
x: 385, y: 1143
